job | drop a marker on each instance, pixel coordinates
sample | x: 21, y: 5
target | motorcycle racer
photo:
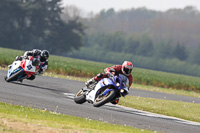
x: 42, y: 55
x: 124, y: 69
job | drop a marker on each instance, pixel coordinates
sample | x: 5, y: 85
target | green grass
x: 187, y: 111
x: 166, y: 80
x: 7, y: 130
x: 75, y: 67
x: 83, y: 68
x: 59, y: 122
x: 167, y: 90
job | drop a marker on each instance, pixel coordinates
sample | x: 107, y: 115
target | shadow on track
x: 39, y: 87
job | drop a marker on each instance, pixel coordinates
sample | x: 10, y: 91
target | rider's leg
x: 9, y: 66
x: 19, y: 58
x: 32, y: 77
x: 95, y: 79
x: 115, y: 101
x: 90, y: 81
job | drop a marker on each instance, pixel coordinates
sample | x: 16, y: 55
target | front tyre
x: 15, y: 76
x: 79, y: 98
x: 101, y: 100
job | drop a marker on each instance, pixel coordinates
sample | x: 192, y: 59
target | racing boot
x: 32, y: 77
x: 89, y: 82
x: 115, y: 101
x: 9, y: 66
x: 21, y: 80
x: 20, y: 58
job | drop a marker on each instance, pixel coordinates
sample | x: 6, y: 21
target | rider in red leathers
x: 124, y: 69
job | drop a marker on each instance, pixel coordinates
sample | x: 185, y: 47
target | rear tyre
x: 80, y: 97
x: 15, y: 76
x: 101, y: 100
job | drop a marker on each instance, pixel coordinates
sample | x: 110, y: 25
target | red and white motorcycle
x: 24, y: 69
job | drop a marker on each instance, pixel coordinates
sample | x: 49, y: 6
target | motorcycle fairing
x: 14, y: 68
x: 28, y: 67
x: 101, y: 84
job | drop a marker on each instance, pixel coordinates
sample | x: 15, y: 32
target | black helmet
x: 44, y: 55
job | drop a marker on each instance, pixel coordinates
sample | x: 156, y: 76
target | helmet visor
x: 127, y: 70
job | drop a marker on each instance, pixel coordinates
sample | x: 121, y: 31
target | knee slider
x: 18, y: 58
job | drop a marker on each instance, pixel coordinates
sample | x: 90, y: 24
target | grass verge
x: 167, y: 90
x: 15, y: 118
x: 187, y: 111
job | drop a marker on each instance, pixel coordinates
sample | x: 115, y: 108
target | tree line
x: 166, y: 41
x: 27, y: 24
x: 117, y: 47
x: 142, y: 46
x: 176, y: 25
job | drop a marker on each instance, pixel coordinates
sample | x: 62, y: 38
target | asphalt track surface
x: 56, y: 94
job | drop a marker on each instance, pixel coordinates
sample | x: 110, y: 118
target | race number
x: 29, y: 67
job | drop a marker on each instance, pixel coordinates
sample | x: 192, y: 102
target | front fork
x: 106, y: 91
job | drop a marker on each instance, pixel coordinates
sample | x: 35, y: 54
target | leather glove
x: 37, y: 73
x: 110, y: 74
x: 112, y: 70
x: 41, y: 71
x: 36, y: 52
x: 25, y: 57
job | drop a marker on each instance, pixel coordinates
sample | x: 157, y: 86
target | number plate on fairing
x: 29, y: 67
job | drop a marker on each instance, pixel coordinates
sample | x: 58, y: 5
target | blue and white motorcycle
x: 105, y: 91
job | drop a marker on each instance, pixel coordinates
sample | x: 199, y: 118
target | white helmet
x: 127, y: 67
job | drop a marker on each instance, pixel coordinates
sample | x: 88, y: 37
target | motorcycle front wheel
x: 101, y: 100
x: 15, y: 76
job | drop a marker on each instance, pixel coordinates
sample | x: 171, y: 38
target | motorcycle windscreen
x: 125, y: 80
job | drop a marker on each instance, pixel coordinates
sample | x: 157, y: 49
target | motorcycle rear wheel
x: 79, y: 98
x: 14, y: 76
x: 101, y: 100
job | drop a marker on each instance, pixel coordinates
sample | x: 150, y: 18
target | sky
x: 96, y: 6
